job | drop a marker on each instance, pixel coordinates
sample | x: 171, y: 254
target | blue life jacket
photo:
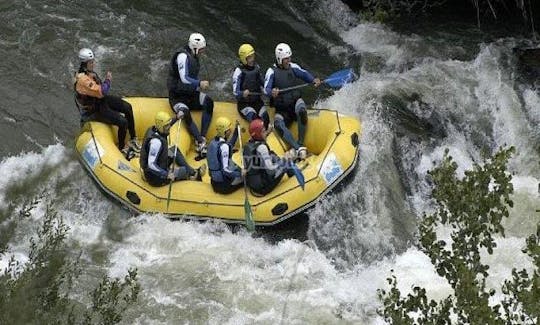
x: 163, y: 159
x: 214, y: 160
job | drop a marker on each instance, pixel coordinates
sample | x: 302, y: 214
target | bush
x: 473, y: 207
x: 38, y: 291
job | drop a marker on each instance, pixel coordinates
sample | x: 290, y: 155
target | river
x: 418, y: 93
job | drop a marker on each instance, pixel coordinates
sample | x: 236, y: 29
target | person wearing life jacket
x: 248, y: 83
x: 225, y: 175
x: 185, y: 89
x: 264, y: 168
x: 289, y: 104
x: 156, y: 157
x: 95, y: 103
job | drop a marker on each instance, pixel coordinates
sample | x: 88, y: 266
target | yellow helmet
x: 222, y: 125
x: 244, y: 51
x: 163, y: 120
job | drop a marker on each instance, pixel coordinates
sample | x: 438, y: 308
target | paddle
x: 174, y: 161
x: 250, y: 224
x: 336, y: 80
x: 298, y: 174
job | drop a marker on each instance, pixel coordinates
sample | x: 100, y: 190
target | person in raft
x: 95, y: 104
x: 185, y: 89
x: 156, y: 157
x: 289, y: 104
x: 264, y: 168
x: 226, y: 176
x: 248, y: 83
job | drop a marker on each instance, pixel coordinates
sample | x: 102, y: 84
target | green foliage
x: 524, y: 289
x: 38, y: 291
x: 473, y: 207
x: 111, y: 298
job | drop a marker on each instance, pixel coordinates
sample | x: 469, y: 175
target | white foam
x: 28, y: 165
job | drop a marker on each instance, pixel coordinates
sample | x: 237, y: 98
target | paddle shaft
x: 174, y: 161
x: 342, y: 75
x: 283, y: 90
x: 249, y: 221
x: 242, y: 161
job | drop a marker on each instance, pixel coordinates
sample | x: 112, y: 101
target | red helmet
x: 256, y: 129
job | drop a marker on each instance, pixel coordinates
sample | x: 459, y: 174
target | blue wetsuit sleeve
x: 269, y: 82
x: 237, y: 83
x: 183, y: 70
x: 302, y: 73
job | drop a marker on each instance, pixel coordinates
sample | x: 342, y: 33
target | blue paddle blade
x: 340, y: 78
x: 298, y: 174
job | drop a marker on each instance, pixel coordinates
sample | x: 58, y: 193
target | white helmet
x: 283, y: 51
x: 86, y: 55
x: 196, y: 42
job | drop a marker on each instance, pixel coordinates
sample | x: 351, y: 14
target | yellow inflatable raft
x: 331, y: 138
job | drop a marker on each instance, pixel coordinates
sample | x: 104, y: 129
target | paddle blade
x: 298, y: 174
x: 340, y: 78
x: 250, y: 224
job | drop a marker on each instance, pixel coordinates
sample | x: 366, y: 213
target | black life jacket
x: 257, y: 175
x: 284, y: 78
x: 174, y: 82
x: 252, y: 80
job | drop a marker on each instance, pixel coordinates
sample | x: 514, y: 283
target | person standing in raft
x: 95, y: 103
x: 185, y: 89
x: 264, y: 168
x: 289, y: 104
x: 156, y: 157
x: 248, y: 83
x: 226, y: 176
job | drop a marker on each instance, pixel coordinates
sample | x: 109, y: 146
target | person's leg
x: 107, y: 115
x: 226, y: 188
x: 118, y: 104
x: 192, y: 127
x: 181, y: 173
x: 208, y: 110
x: 263, y: 114
x: 194, y: 102
x: 195, y: 174
x: 180, y: 160
x: 272, y: 183
x: 248, y: 113
x: 283, y: 131
x: 301, y: 117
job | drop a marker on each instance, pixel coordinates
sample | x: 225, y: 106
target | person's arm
x: 106, y: 85
x: 232, y: 141
x: 237, y: 83
x: 183, y: 71
x: 231, y: 173
x: 302, y: 73
x: 269, y: 82
x: 88, y: 86
x: 266, y: 158
x: 155, y: 146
